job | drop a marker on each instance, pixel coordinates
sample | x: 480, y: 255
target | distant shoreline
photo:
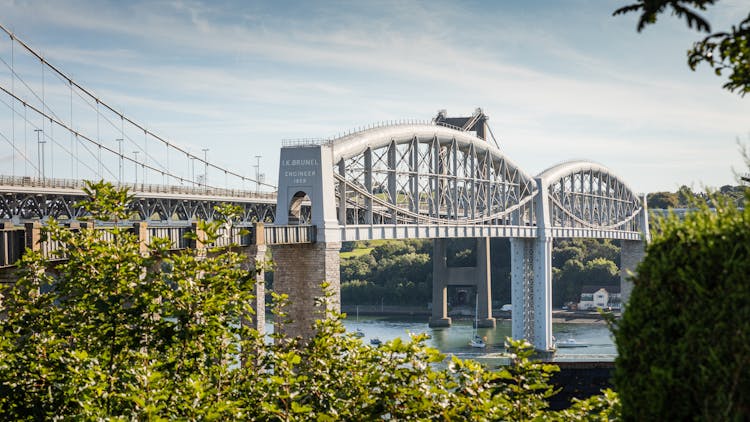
x: 558, y: 315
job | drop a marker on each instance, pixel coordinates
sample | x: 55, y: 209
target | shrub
x: 684, y: 340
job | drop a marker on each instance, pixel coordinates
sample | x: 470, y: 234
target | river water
x: 455, y: 339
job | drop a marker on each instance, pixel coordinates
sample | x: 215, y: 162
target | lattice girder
x: 427, y: 174
x: 588, y: 195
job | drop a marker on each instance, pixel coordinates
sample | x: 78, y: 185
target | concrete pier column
x: 542, y: 339
x: 256, y: 260
x: 484, y: 284
x: 521, y: 287
x: 631, y: 253
x: 140, y: 228
x: 200, y: 241
x: 531, y: 291
x: 531, y: 280
x: 439, y: 285
x: 33, y: 235
x: 300, y: 271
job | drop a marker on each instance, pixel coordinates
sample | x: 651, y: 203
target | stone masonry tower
x: 306, y: 174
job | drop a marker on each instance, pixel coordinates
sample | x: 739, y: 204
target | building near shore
x: 600, y: 297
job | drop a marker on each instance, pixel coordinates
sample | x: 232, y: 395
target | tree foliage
x: 723, y: 51
x: 580, y: 262
x: 684, y: 341
x: 114, y: 334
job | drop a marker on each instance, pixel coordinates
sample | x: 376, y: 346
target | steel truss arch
x: 585, y: 194
x: 428, y: 174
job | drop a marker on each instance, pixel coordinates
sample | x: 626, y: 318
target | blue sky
x: 559, y: 80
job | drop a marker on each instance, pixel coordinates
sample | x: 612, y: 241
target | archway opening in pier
x: 295, y: 208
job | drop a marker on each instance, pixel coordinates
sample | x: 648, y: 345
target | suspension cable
x: 130, y: 121
x: 99, y: 145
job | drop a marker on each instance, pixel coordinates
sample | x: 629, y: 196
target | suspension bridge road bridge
x: 438, y: 179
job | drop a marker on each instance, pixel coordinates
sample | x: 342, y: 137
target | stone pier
x: 300, y: 270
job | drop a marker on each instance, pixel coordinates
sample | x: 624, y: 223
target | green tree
x: 565, y: 253
x: 357, y: 268
x: 110, y: 332
x: 114, y: 334
x: 662, y: 200
x: 684, y: 340
x: 601, y: 271
x: 723, y: 51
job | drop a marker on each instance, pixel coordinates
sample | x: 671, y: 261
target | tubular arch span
x: 428, y: 174
x: 587, y: 195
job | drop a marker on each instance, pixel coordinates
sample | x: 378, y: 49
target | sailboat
x: 358, y: 332
x: 477, y: 341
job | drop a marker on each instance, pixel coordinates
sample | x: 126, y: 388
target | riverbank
x: 558, y: 315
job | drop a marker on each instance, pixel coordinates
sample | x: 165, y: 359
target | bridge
x: 438, y: 179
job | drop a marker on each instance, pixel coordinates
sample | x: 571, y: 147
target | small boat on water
x: 569, y: 343
x: 477, y: 342
x: 375, y: 341
x: 358, y: 333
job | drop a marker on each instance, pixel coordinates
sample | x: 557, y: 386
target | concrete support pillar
x: 256, y: 260
x: 200, y: 236
x: 256, y: 254
x: 542, y: 339
x: 521, y: 287
x: 33, y: 235
x: 631, y: 253
x: 439, y: 285
x: 484, y: 284
x: 531, y: 291
x: 532, y: 278
x: 300, y: 270
x: 140, y: 229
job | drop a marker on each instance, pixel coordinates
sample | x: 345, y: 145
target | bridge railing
x: 176, y: 236
x: 233, y: 236
x: 15, y: 240
x: 285, y: 235
x: 50, y: 183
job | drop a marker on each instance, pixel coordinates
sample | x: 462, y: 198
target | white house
x: 605, y: 297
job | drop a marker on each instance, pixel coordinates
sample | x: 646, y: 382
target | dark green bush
x: 684, y: 339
